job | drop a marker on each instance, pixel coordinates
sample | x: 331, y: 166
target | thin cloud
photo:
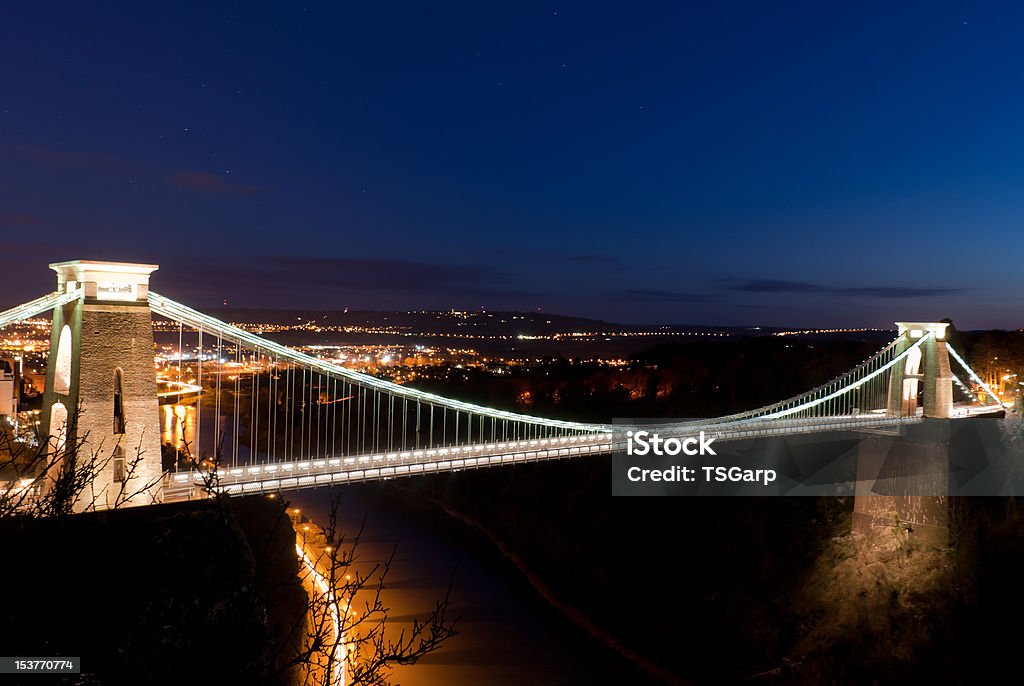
x: 412, y: 281
x: 593, y: 259
x: 14, y: 219
x: 898, y: 292
x: 211, y: 184
x: 77, y: 159
x: 655, y: 296
x: 105, y: 163
x: 383, y: 273
x: 775, y: 286
x: 881, y: 292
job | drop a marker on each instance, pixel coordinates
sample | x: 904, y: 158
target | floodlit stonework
x: 925, y: 372
x: 111, y: 336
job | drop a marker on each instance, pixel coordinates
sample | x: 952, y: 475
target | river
x: 507, y: 635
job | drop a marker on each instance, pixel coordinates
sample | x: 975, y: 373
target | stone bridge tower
x: 928, y: 364
x: 101, y: 364
x: 887, y: 494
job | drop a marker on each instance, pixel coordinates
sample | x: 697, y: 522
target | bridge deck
x: 283, y: 476
x: 328, y: 471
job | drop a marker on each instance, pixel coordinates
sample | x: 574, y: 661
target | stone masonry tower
x: 930, y: 364
x: 893, y: 473
x: 101, y: 362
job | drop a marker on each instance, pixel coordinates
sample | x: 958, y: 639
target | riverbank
x: 574, y: 615
x: 507, y: 634
x: 780, y: 581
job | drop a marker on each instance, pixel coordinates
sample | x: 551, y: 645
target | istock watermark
x: 788, y: 457
x: 646, y: 442
x: 672, y: 458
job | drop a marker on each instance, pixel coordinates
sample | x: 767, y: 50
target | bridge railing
x: 986, y: 390
x: 43, y: 305
x: 862, y: 389
x: 269, y: 478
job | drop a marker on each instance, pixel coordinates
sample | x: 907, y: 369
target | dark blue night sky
x: 818, y: 163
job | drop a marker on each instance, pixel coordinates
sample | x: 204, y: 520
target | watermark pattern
x: 923, y: 457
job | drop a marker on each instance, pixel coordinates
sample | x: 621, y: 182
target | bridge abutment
x: 100, y: 405
x: 903, y: 483
x: 893, y: 471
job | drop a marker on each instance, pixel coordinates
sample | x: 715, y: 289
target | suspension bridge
x: 265, y: 417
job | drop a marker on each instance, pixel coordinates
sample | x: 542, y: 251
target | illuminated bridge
x: 237, y: 413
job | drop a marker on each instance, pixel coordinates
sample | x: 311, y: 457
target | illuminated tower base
x: 100, y: 401
x: 892, y: 474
